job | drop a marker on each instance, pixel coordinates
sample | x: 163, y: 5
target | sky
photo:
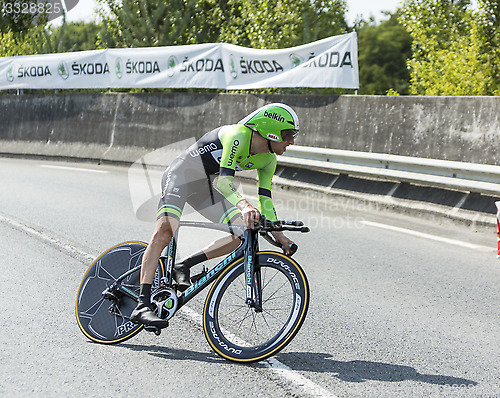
x: 366, y: 8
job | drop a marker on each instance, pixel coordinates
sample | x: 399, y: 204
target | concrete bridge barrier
x: 121, y: 128
x: 118, y: 127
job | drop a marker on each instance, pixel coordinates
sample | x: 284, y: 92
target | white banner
x: 331, y: 62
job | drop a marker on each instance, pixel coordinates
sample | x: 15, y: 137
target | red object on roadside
x: 498, y: 228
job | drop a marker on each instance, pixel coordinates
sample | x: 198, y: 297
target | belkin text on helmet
x: 274, y: 116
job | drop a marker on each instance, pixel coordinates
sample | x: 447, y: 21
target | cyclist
x: 212, y: 161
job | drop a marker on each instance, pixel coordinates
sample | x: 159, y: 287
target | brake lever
x: 293, y: 247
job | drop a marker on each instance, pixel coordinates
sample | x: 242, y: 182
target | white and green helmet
x: 274, y: 122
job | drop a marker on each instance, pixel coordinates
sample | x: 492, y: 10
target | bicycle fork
x: 253, y: 283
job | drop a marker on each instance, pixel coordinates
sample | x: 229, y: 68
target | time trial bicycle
x: 255, y: 307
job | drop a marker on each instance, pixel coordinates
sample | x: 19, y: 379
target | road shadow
x: 349, y: 371
x: 361, y: 371
x: 174, y: 353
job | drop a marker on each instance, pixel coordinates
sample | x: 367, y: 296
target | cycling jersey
x: 219, y: 153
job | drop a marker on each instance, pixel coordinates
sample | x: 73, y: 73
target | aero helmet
x: 273, y: 121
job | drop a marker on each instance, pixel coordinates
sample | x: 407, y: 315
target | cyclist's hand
x: 250, y: 214
x: 284, y: 241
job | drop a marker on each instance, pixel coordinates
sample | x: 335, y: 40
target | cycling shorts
x: 185, y: 181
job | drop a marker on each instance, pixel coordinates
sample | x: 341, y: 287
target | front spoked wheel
x: 107, y: 319
x: 240, y: 333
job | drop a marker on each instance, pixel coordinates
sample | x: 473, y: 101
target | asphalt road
x: 400, y: 307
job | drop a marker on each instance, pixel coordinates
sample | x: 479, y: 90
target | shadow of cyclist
x: 174, y: 353
x: 361, y: 371
x: 349, y: 371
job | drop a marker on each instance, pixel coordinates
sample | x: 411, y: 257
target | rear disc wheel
x: 107, y: 321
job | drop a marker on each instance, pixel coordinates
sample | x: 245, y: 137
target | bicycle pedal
x: 153, y: 329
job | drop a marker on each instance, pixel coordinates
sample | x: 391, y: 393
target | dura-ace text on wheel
x: 241, y: 333
x: 105, y: 317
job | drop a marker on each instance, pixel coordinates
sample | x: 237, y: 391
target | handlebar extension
x: 281, y: 225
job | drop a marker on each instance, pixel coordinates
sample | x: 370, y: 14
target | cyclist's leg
x: 164, y: 230
x: 169, y: 213
x: 223, y: 246
x: 216, y: 208
x: 225, y: 213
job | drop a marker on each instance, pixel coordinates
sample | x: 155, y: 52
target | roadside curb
x: 473, y: 219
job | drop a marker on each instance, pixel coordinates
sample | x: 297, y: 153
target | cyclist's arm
x: 233, y: 144
x: 266, y: 205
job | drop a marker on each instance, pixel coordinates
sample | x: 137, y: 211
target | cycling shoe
x: 181, y: 275
x: 143, y: 315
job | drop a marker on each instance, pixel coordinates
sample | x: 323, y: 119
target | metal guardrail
x: 462, y: 176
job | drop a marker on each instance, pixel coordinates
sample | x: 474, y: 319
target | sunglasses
x: 289, y: 134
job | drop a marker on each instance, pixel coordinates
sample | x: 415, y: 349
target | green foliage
x: 455, y: 48
x: 254, y: 23
x: 383, y: 53
x: 148, y: 23
x: 457, y: 70
x: 20, y: 33
x: 74, y: 36
x: 442, y: 21
x: 27, y: 42
x: 14, y: 17
x: 288, y: 23
x: 12, y: 46
x: 488, y: 25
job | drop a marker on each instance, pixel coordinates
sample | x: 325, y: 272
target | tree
x: 488, y: 25
x: 20, y: 17
x: 455, y: 48
x: 147, y: 23
x: 287, y: 23
x: 73, y: 36
x: 20, y: 32
x: 255, y: 23
x: 384, y: 50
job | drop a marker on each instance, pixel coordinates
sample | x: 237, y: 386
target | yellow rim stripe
x: 306, y: 298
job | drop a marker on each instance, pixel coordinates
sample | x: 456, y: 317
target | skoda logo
x: 62, y: 70
x: 232, y: 64
x: 10, y: 76
x: 172, y: 63
x: 296, y: 60
x: 119, y: 68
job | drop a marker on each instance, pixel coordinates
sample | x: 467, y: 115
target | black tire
x: 94, y: 318
x: 238, y: 333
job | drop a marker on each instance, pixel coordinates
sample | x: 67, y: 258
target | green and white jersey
x: 224, y: 151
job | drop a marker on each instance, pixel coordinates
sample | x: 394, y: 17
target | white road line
x: 429, y: 236
x: 48, y: 166
x: 307, y: 386
x: 48, y: 239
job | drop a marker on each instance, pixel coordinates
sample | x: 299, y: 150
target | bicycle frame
x: 246, y: 250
